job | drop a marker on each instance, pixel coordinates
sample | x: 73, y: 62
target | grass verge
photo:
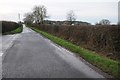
x: 107, y: 65
x: 18, y: 30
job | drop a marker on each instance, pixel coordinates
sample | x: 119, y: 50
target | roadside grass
x: 105, y: 64
x: 18, y: 30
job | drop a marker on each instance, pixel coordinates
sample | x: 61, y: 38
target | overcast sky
x: 86, y: 10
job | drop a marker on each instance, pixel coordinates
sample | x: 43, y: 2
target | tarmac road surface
x: 33, y: 56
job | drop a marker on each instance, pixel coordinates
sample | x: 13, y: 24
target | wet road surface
x: 33, y: 56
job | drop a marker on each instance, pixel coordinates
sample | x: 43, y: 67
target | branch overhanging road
x: 33, y: 56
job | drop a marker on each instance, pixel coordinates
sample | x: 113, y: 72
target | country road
x: 33, y: 56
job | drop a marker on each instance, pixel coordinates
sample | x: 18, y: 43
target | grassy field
x: 107, y: 65
x: 18, y: 30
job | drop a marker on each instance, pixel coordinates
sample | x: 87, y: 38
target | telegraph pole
x: 19, y: 16
x: 119, y: 13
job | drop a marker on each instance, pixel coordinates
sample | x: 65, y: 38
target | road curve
x: 33, y: 56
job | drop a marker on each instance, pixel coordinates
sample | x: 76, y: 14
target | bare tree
x: 39, y: 13
x: 104, y: 22
x: 71, y: 17
x: 29, y: 18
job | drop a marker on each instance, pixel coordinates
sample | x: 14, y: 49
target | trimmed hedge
x: 8, y: 26
x: 107, y: 65
x: 104, y: 40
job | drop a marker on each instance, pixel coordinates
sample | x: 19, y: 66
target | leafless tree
x: 29, y: 18
x: 39, y: 13
x: 71, y: 17
x: 104, y: 22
